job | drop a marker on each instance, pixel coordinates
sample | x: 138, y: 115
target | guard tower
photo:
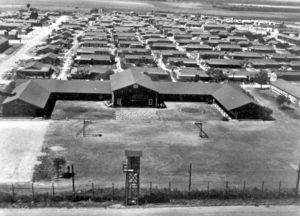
x: 132, y: 183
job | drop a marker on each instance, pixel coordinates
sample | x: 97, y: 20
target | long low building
x: 128, y: 88
x: 287, y: 89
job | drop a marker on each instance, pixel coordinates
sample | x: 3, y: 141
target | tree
x: 197, y: 78
x: 94, y: 10
x: 34, y: 15
x: 216, y: 74
x: 261, y: 78
x: 59, y: 163
x: 282, y: 101
x: 28, y: 5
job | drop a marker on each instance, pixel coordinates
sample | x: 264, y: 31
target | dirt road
x: 20, y: 143
x: 165, y: 211
x: 31, y: 41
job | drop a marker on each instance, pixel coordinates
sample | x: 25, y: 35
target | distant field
x: 201, y: 6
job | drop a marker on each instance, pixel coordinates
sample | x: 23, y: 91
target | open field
x: 202, y: 6
x: 97, y: 110
x: 81, y: 110
x: 235, y: 151
x: 20, y: 143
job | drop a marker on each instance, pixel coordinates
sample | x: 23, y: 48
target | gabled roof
x: 30, y: 92
x: 183, y: 88
x: 130, y: 77
x: 50, y: 55
x: 231, y: 98
x: 288, y: 87
x: 36, y: 65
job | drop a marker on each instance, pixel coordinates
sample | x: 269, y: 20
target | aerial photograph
x: 149, y: 107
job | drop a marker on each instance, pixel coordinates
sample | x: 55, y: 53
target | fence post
x: 244, y: 188
x: 190, y: 177
x: 226, y: 192
x: 170, y: 191
x: 150, y: 188
x: 113, y: 191
x: 208, y: 187
x: 32, y: 189
x: 93, y: 191
x: 262, y: 188
x: 73, y: 178
x: 12, y: 193
x: 53, y: 191
x: 279, y: 188
x: 297, y: 184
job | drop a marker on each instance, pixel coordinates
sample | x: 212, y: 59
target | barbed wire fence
x: 155, y: 192
x: 150, y: 191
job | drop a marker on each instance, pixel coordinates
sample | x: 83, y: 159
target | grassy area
x: 291, y: 111
x: 235, y: 151
x: 81, y: 110
x: 189, y: 112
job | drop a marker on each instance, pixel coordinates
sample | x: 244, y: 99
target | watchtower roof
x: 130, y: 153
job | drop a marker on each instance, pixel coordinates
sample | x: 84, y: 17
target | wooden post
x: 113, y: 191
x: 150, y: 188
x: 226, y: 191
x: 170, y: 189
x: 53, y: 191
x: 83, y: 129
x: 298, y: 179
x: 12, y: 193
x: 279, y: 189
x: 93, y: 190
x: 73, y: 178
x: 244, y: 188
x: 208, y: 187
x: 190, y: 177
x: 32, y: 189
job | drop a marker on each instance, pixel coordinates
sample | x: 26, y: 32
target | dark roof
x: 263, y: 48
x: 231, y: 98
x: 36, y: 65
x: 288, y: 87
x: 95, y: 57
x: 163, y: 45
x: 3, y: 40
x: 37, y: 92
x: 30, y: 92
x: 246, y: 54
x: 223, y: 62
x: 130, y: 77
x: 183, y: 88
x: 192, y: 71
x: 263, y: 62
x: 50, y: 55
x: 138, y: 57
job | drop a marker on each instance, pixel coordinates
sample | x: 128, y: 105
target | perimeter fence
x: 153, y: 192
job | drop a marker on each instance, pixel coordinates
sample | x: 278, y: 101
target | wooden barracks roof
x: 37, y: 92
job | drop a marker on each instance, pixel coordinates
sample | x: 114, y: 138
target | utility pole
x: 298, y: 179
x: 190, y: 177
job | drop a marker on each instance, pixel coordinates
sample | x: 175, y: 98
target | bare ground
x: 235, y: 151
x: 20, y: 143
